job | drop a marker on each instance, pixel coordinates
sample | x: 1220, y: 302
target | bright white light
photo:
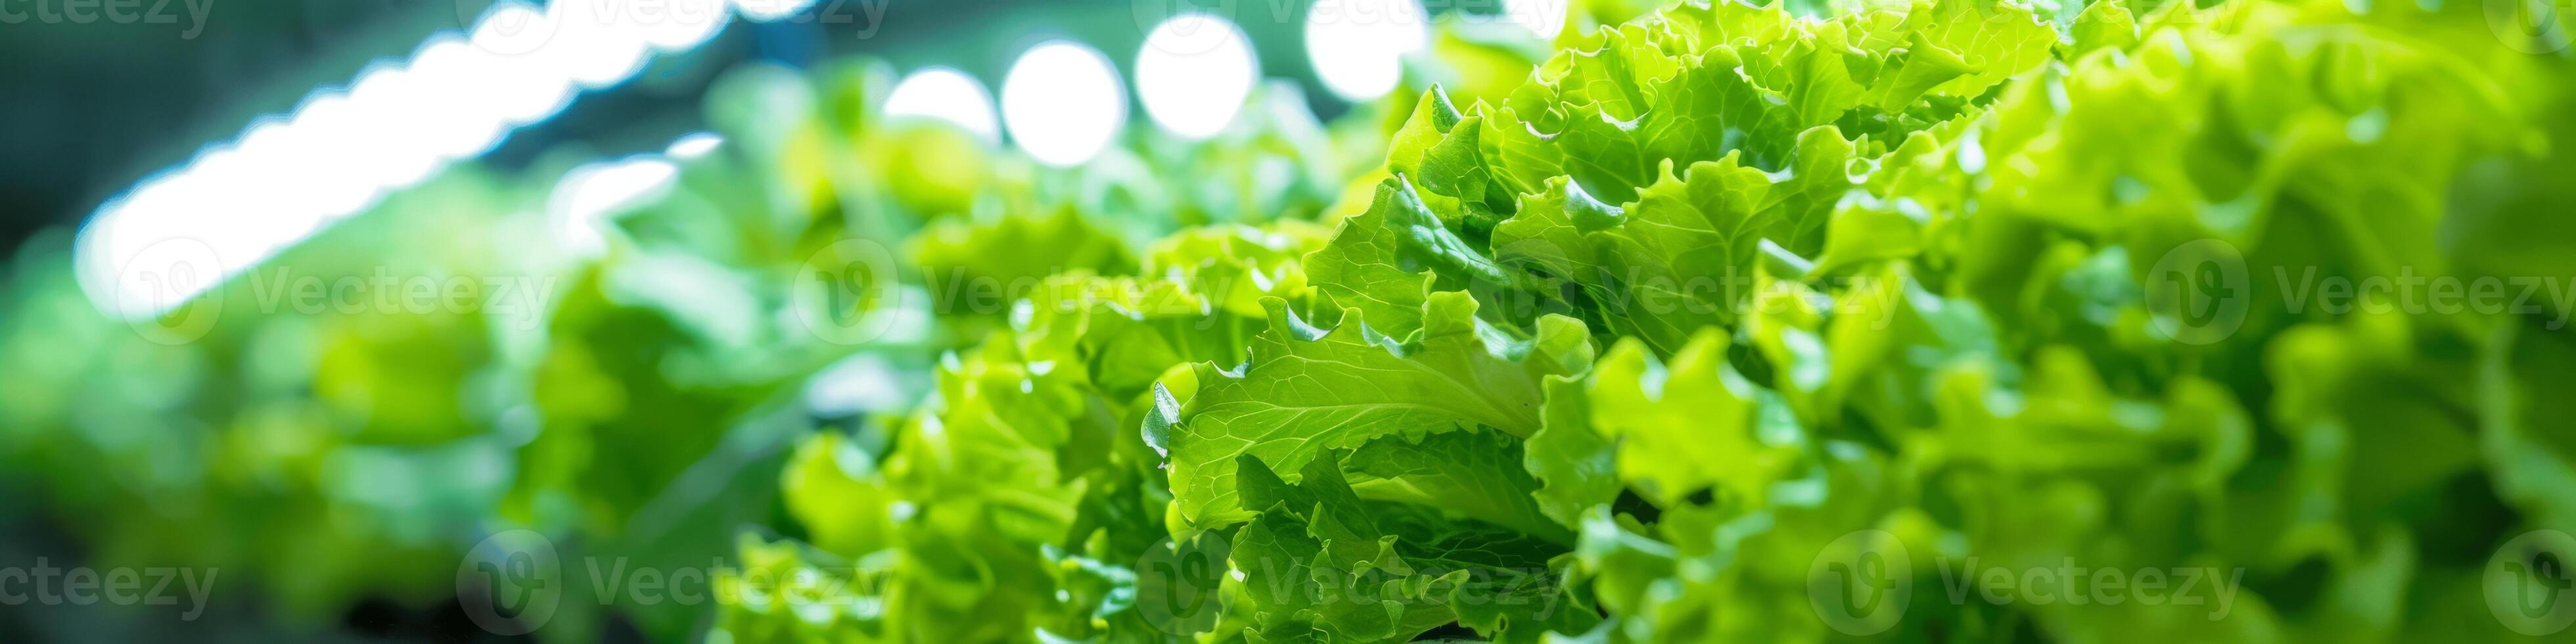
x: 1358, y: 46
x: 1194, y: 73
x: 693, y: 146
x: 522, y: 90
x: 396, y: 126
x: 452, y: 76
x: 521, y: 83
x: 283, y: 189
x: 236, y: 210
x: 948, y: 95
x: 1063, y: 102
x: 1542, y: 17
x: 268, y: 145
x: 393, y: 109
x: 330, y: 132
x: 597, y: 44
x: 583, y: 203
x: 768, y: 10
x: 151, y: 277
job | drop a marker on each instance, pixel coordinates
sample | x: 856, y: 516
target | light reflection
x: 1193, y: 74
x: 590, y: 195
x: 1358, y: 46
x: 1063, y: 102
x: 948, y: 95
x: 597, y: 44
x: 694, y: 146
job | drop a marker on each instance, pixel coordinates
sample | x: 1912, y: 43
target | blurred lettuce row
x: 1730, y: 303
x: 637, y: 402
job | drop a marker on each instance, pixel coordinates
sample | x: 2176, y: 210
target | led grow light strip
x: 181, y: 232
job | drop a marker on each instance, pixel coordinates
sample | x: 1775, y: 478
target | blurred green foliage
x: 1445, y: 358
